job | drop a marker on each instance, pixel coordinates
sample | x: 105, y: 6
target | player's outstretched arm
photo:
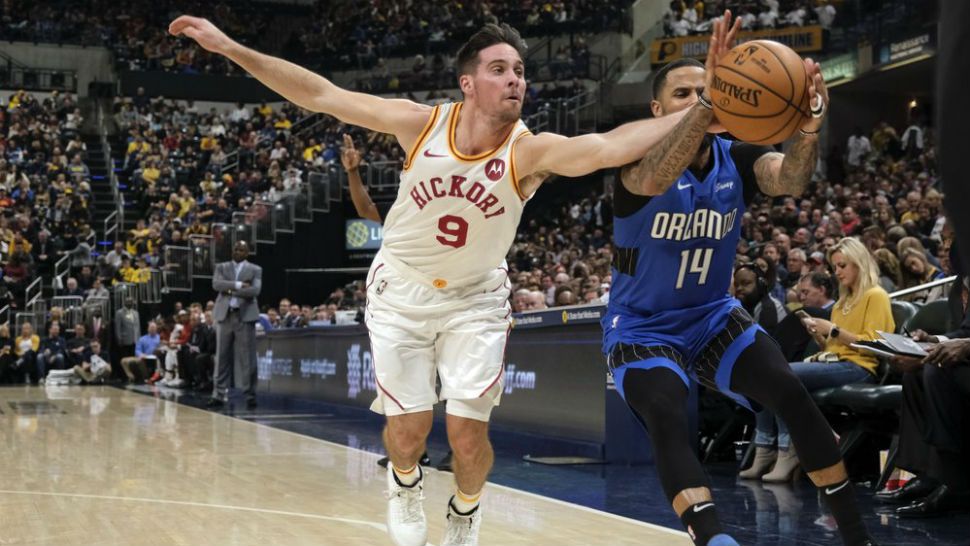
x: 401, y: 118
x: 548, y: 153
x: 790, y: 173
x: 664, y: 163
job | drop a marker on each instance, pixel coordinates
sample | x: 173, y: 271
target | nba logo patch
x: 495, y: 169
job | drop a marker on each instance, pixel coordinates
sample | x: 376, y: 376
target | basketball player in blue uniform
x: 670, y: 318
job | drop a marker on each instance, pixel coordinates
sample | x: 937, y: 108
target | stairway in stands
x: 103, y: 199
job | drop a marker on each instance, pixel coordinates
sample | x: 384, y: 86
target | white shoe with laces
x: 462, y: 529
x: 406, y: 523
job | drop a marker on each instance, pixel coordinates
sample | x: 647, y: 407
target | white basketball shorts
x: 420, y: 333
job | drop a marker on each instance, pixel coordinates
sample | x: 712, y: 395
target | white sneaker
x: 406, y: 523
x: 462, y: 530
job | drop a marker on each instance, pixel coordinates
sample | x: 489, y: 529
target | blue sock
x: 722, y: 540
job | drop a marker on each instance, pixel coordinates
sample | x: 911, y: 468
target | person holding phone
x: 862, y: 309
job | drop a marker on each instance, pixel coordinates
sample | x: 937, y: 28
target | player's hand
x: 349, y: 156
x: 202, y: 31
x: 948, y: 353
x: 921, y: 335
x: 816, y: 89
x: 722, y: 40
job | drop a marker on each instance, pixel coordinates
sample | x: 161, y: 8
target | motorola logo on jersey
x: 700, y: 224
x: 457, y: 187
x: 495, y: 170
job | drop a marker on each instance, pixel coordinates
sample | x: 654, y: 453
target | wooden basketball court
x: 99, y: 466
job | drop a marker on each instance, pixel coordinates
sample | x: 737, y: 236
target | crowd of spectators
x: 333, y: 35
x: 436, y: 71
x: 45, y: 190
x: 688, y: 17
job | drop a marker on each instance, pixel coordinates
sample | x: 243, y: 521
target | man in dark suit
x: 97, y: 328
x: 236, y: 311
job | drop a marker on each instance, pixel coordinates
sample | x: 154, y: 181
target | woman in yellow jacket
x: 25, y: 348
x: 862, y: 309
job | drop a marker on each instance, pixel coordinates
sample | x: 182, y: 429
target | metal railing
x: 243, y: 229
x: 73, y: 310
x: 907, y: 292
x: 111, y: 227
x: 5, y: 314
x: 36, y: 79
x: 37, y: 288
x: 115, y: 221
x: 177, y: 274
x: 151, y: 291
x: 201, y: 248
x: 61, y: 268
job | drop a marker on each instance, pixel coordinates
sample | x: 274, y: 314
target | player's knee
x: 406, y: 439
x: 785, y: 395
x: 468, y: 439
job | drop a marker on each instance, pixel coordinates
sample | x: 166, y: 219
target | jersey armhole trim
x: 432, y: 120
x: 515, y: 177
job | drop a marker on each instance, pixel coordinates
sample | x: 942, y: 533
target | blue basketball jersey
x: 677, y: 252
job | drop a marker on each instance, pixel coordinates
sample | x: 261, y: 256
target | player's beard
x: 510, y: 114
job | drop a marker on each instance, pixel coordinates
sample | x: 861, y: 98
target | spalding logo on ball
x: 760, y: 92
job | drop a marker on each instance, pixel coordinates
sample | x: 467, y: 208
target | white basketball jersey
x: 455, y: 215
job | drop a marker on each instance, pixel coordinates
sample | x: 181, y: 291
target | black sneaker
x: 423, y: 461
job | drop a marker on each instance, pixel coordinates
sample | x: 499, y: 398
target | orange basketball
x: 760, y: 93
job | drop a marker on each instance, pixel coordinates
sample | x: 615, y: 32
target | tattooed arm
x: 788, y: 173
x: 664, y: 163
x: 668, y: 159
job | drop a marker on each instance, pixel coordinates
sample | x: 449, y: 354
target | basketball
x: 760, y: 93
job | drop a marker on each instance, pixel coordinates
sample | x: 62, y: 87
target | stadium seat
x: 934, y: 318
x: 903, y: 311
x: 871, y: 410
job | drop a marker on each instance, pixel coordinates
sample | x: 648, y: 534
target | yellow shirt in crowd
x: 151, y: 174
x: 133, y: 147
x: 872, y: 312
x: 311, y: 151
x: 208, y: 143
x: 23, y: 344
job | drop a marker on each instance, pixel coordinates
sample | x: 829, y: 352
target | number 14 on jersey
x: 694, y: 261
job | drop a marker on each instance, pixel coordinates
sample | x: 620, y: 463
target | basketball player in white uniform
x: 438, y: 290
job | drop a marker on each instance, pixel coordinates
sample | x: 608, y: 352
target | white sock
x: 407, y: 477
x: 465, y: 503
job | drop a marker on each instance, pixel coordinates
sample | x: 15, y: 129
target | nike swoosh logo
x: 829, y: 491
x: 684, y: 187
x: 699, y: 507
x: 427, y: 153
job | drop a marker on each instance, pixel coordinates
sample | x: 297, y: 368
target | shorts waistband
x: 436, y: 282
